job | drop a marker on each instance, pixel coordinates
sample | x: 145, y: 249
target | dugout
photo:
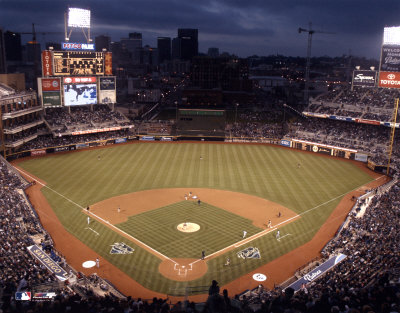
x: 201, y: 122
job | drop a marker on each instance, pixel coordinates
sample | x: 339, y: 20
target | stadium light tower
x: 77, y: 18
x: 310, y: 32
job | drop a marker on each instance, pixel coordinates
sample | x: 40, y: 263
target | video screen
x: 80, y: 94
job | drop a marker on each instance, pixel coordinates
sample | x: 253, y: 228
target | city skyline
x: 242, y: 28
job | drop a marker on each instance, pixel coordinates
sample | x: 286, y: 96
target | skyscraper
x: 103, y: 42
x: 189, y: 43
x: 164, y: 49
x: 3, y: 68
x: 133, y: 45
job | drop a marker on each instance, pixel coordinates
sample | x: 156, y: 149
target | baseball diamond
x: 144, y: 196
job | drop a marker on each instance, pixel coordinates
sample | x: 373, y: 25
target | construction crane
x: 310, y: 32
x: 33, y: 33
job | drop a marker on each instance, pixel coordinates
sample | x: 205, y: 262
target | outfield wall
x: 303, y: 145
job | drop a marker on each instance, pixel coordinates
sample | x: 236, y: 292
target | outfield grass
x: 313, y: 191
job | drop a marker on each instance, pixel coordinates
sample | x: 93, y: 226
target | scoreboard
x: 71, y: 63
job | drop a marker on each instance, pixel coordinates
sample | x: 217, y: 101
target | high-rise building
x: 164, y: 49
x: 176, y: 48
x: 213, y: 52
x: 133, y: 45
x: 3, y: 68
x: 189, y: 43
x: 102, y: 42
x: 13, y: 47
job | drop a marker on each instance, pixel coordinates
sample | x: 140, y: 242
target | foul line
x: 266, y: 231
x: 101, y: 219
x: 235, y: 245
x: 93, y: 230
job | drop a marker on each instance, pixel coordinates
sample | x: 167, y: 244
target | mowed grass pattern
x: 218, y: 229
x: 78, y: 179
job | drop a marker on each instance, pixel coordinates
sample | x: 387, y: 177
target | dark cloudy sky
x: 242, y: 27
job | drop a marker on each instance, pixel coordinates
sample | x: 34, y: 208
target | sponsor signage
x: 51, y: 84
x: 120, y: 140
x: 51, y: 98
x: 79, y: 80
x: 77, y: 46
x: 61, y: 149
x: 107, y: 83
x: 259, y: 277
x: 285, y: 143
x: 108, y: 63
x: 121, y: 248
x: 317, y: 272
x: 47, y: 68
x: 371, y: 122
x: 390, y: 58
x: 389, y: 80
x: 38, y: 152
x: 82, y: 146
x: 148, y: 138
x: 48, y: 262
x: 166, y: 138
x: 23, y: 296
x: 361, y: 157
x: 364, y: 78
x: 249, y: 253
x: 99, y: 130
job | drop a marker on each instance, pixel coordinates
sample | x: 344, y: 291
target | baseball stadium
x: 187, y: 198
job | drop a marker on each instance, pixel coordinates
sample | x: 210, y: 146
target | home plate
x: 88, y: 264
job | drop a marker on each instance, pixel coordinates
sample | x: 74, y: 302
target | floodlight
x: 78, y: 18
x: 391, y: 35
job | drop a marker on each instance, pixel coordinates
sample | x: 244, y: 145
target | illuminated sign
x: 79, y: 80
x: 364, y: 78
x: 78, y: 18
x: 391, y: 35
x: 47, y: 68
x: 77, y: 46
x: 50, y: 84
x: 67, y: 63
x: 390, y: 58
x: 389, y: 79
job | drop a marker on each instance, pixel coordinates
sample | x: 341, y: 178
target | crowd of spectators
x: 18, y: 226
x: 365, y: 103
x: 68, y: 119
x: 254, y: 126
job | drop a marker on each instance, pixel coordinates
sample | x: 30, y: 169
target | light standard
x: 236, y: 107
x: 176, y: 109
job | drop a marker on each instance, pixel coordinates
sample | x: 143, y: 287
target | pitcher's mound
x: 188, y: 227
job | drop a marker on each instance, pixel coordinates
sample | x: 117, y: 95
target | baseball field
x: 155, y: 207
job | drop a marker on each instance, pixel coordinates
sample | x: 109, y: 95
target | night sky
x: 241, y: 27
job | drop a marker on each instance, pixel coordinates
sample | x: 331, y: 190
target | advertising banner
x: 364, y: 78
x: 151, y: 138
x: 51, y: 98
x: 79, y: 80
x: 77, y: 46
x: 48, y: 262
x: 107, y: 92
x: 108, y: 63
x: 361, y: 157
x: 120, y: 140
x: 82, y: 146
x: 389, y: 80
x: 390, y: 58
x: 38, y: 152
x: 285, y: 143
x: 51, y: 84
x: 364, y: 121
x: 317, y: 272
x: 47, y: 63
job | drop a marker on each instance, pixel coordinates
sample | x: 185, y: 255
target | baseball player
x: 269, y: 224
x: 278, y: 235
x: 244, y: 233
x: 88, y: 220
